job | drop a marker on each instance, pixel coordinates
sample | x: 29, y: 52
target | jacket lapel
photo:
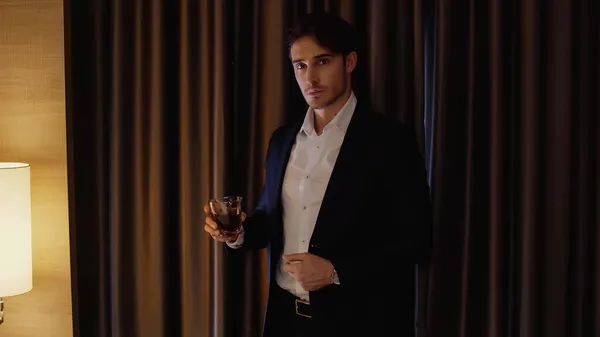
x: 287, y: 141
x: 346, y: 169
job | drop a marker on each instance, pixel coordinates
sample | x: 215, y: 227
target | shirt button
x: 304, y: 207
x: 306, y: 177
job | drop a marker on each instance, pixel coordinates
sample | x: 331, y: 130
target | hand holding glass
x: 226, y: 215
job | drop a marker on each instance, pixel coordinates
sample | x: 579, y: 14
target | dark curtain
x: 171, y: 102
x: 516, y: 184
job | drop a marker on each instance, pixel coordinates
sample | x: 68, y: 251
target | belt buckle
x: 304, y: 303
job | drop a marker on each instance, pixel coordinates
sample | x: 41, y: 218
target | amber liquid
x: 230, y: 223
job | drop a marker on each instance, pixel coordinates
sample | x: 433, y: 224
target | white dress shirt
x: 306, y: 177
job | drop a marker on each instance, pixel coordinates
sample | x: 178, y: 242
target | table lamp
x: 16, y: 274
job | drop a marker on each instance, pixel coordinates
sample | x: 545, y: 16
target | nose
x: 312, y: 76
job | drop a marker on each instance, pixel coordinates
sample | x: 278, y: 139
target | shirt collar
x: 339, y: 122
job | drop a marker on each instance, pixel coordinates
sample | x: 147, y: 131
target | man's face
x: 321, y: 76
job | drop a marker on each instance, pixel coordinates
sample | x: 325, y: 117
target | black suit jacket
x: 374, y: 225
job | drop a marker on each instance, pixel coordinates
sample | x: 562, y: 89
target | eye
x: 300, y: 66
x: 323, y: 61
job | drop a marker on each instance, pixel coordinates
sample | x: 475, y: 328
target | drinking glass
x: 227, y: 213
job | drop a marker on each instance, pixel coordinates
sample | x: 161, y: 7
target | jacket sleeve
x: 256, y: 227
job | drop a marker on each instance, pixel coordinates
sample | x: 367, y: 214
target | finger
x: 290, y: 268
x: 310, y: 286
x: 211, y: 231
x: 206, y: 209
x: 216, y: 235
x: 243, y: 216
x: 223, y: 238
x: 295, y: 257
x: 307, y: 286
x: 211, y: 223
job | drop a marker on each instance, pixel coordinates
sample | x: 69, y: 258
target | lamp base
x: 1, y: 311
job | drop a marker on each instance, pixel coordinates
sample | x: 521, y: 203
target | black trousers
x: 287, y: 321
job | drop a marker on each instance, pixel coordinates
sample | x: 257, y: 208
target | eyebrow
x: 320, y: 56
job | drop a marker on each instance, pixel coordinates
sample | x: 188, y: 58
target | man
x: 345, y: 207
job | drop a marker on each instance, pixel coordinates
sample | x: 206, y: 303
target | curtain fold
x: 170, y: 103
x: 515, y: 176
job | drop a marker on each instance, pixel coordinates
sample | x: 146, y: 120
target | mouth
x: 314, y: 92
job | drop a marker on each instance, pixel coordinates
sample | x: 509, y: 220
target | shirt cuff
x: 237, y: 243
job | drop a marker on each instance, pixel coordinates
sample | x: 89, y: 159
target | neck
x: 325, y: 115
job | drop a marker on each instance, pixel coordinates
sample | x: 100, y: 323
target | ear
x: 351, y: 62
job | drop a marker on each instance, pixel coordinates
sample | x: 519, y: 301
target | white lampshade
x: 16, y: 276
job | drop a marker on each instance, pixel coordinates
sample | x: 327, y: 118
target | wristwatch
x: 334, y: 277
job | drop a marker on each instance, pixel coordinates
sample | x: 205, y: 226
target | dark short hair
x: 329, y: 30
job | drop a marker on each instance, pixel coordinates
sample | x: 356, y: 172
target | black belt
x: 303, y: 308
x: 289, y: 301
x: 291, y: 315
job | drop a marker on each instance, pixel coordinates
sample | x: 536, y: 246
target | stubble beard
x: 334, y: 98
